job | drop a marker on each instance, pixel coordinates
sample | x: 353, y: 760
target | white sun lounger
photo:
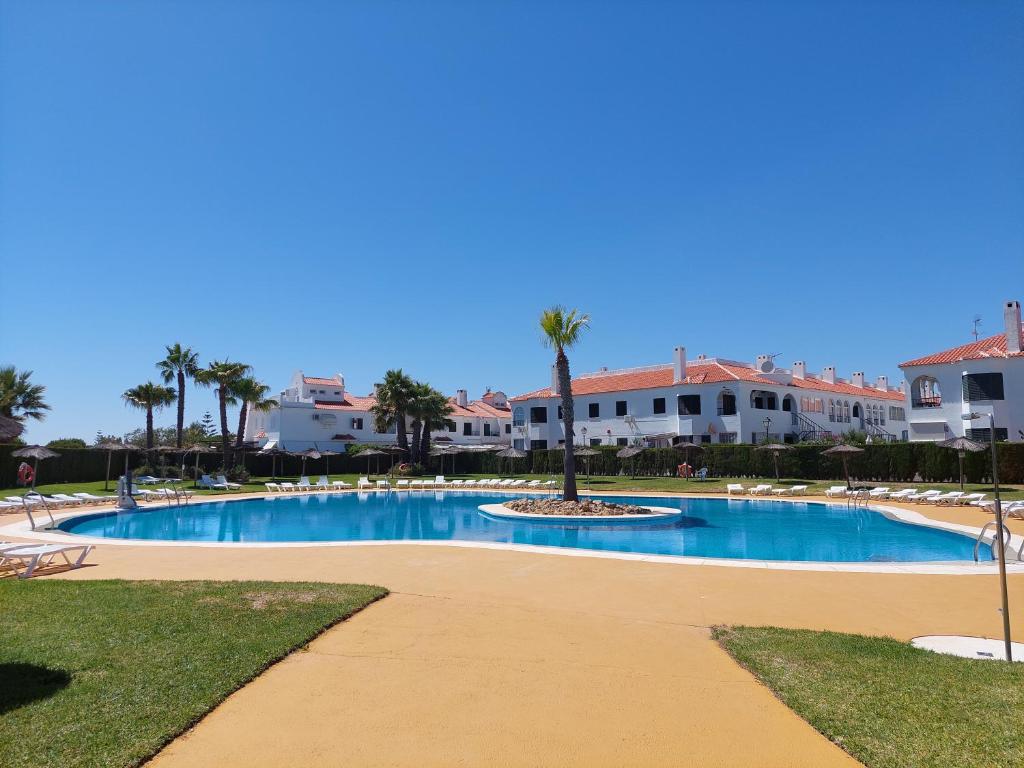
x: 470, y: 484
x: 456, y: 483
x: 923, y: 497
x: 340, y: 484
x: 222, y: 480
x: 304, y: 484
x: 273, y: 487
x: 879, y: 493
x: 952, y: 497
x: 971, y: 498
x: 364, y: 482
x: 383, y: 485
x: 836, y: 490
x: 288, y: 487
x: 762, y: 489
x: 323, y: 483
x: 95, y: 499
x: 732, y: 488
x: 439, y: 480
x: 32, y: 556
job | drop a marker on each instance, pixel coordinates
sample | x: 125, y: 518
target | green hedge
x: 892, y: 462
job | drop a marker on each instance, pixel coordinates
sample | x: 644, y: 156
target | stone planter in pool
x: 653, y: 515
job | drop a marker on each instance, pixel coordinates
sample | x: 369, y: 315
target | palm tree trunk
x: 181, y: 405
x: 242, y: 418
x: 568, y: 419
x: 414, y: 456
x: 425, y: 442
x: 222, y: 396
x: 400, y: 437
x: 149, y: 428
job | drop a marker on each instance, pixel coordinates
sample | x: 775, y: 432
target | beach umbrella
x: 511, y: 454
x: 163, y: 450
x: 110, y: 446
x: 9, y: 429
x: 373, y: 452
x: 961, y: 445
x: 327, y: 453
x: 197, y: 449
x: 309, y: 453
x: 273, y: 453
x: 630, y: 452
x: 774, y: 448
x: 843, y: 451
x: 35, y: 452
x: 686, y: 448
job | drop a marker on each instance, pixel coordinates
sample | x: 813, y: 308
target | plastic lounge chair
x: 902, y: 494
x: 470, y: 484
x: 455, y: 483
x: 32, y: 556
x: 879, y: 493
x: 364, y: 482
x: 427, y: 483
x: 923, y: 497
x: 971, y: 498
x: 947, y: 498
x: 208, y: 482
x: 732, y: 488
x: 835, y: 490
x: 303, y: 484
x: 273, y: 487
x: 533, y: 484
x: 69, y: 499
x: 762, y: 489
x: 288, y: 487
x: 339, y: 485
x: 222, y: 480
x: 94, y: 499
x: 54, y: 501
x: 323, y: 483
x: 439, y: 480
x: 383, y: 484
x: 401, y: 485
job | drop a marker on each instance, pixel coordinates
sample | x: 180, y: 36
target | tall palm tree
x: 20, y: 399
x: 393, y: 398
x: 149, y: 397
x: 181, y: 363
x: 432, y: 408
x: 250, y: 392
x: 223, y: 376
x: 562, y: 330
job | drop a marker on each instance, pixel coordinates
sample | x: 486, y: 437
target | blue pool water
x: 752, y: 529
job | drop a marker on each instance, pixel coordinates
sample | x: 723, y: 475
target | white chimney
x: 764, y: 364
x: 882, y: 383
x: 678, y: 364
x: 702, y: 357
x: 341, y: 383
x: 461, y: 398
x: 554, y: 380
x: 1011, y: 317
x: 376, y: 388
x: 902, y: 387
x: 858, y: 379
x: 829, y: 374
x: 799, y: 369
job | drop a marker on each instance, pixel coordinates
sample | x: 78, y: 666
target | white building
x: 985, y: 377
x: 318, y: 411
x: 710, y: 400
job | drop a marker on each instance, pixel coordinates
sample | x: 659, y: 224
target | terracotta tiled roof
x: 713, y: 372
x: 993, y: 346
x: 480, y: 409
x: 350, y: 403
x: 320, y: 380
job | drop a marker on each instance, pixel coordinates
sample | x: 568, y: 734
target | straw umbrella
x: 309, y: 453
x: 35, y: 452
x: 961, y: 445
x: 686, y: 447
x: 373, y: 452
x: 511, y: 454
x: 843, y: 451
x: 273, y: 453
x: 775, y: 448
x: 631, y: 452
x: 9, y: 429
x: 197, y: 449
x: 327, y: 453
x: 110, y: 446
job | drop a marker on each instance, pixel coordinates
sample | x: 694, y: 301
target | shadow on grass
x: 21, y: 684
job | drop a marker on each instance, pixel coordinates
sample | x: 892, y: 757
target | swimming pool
x: 714, y: 528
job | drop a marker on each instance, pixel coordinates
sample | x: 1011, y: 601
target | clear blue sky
x: 353, y: 186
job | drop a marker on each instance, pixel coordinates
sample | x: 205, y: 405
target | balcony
x: 926, y: 402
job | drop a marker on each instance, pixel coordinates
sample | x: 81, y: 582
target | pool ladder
x: 179, y: 498
x: 858, y: 498
x: 1006, y: 541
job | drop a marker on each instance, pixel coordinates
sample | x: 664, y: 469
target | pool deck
x: 489, y: 657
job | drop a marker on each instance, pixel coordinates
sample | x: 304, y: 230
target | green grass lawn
x: 104, y: 673
x: 596, y: 484
x: 889, y: 704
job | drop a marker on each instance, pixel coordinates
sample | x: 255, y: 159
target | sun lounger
x: 383, y: 485
x: 339, y: 485
x: 401, y: 485
x: 971, y: 498
x: 304, y: 484
x: 923, y: 497
x: 879, y: 493
x: 53, y: 500
x: 732, y: 488
x: 273, y: 487
x: 835, y: 490
x: 323, y: 483
x: 456, y: 483
x: 32, y: 556
x: 65, y: 498
x: 222, y: 480
x: 793, y: 490
x: 533, y: 484
x: 470, y: 484
x: 439, y: 480
x: 898, y: 495
x: 761, y: 489
x: 88, y: 497
x: 364, y: 482
x: 208, y: 482
x: 427, y: 483
x: 288, y: 487
x: 946, y: 498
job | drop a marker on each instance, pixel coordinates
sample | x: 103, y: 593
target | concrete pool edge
x: 22, y: 529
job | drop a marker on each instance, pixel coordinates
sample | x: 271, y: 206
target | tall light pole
x: 1000, y: 535
x: 767, y: 423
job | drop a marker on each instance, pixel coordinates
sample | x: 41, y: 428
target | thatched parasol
x: 327, y: 453
x: 273, y: 453
x: 309, y: 453
x: 775, y: 448
x: 110, y: 446
x: 35, y: 452
x: 686, y: 447
x: 9, y: 429
x: 961, y: 445
x: 511, y: 453
x: 631, y: 452
x: 373, y: 452
x: 844, y: 451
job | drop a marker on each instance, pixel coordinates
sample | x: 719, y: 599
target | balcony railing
x: 926, y: 402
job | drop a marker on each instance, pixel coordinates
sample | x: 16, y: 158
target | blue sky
x: 356, y: 186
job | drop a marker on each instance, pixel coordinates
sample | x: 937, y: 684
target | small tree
x: 149, y: 397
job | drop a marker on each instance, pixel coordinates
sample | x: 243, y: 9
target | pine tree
x: 209, y: 427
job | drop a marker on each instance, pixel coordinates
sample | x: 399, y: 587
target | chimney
x: 882, y: 383
x: 376, y: 388
x: 702, y: 357
x: 461, y: 398
x: 799, y: 370
x: 678, y: 364
x: 829, y: 374
x: 554, y: 380
x: 858, y: 379
x: 341, y: 384
x: 1011, y: 317
x: 902, y: 387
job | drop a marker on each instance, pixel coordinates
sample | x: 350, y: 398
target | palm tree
x: 250, y: 392
x: 393, y: 398
x: 223, y: 376
x: 181, y: 363
x: 562, y: 330
x: 20, y: 399
x: 432, y: 408
x: 149, y: 397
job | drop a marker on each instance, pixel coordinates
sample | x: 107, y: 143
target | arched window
x: 846, y: 411
x: 518, y: 416
x: 881, y: 415
x: 856, y: 410
x: 831, y: 410
x: 726, y: 403
x: 925, y: 393
x: 763, y: 400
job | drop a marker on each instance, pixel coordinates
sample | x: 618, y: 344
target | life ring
x: 403, y: 467
x: 26, y: 474
x: 684, y: 470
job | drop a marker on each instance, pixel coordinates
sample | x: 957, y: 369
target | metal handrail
x: 1006, y: 540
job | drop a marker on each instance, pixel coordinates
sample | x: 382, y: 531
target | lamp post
x: 1000, y: 548
x: 767, y: 423
x: 584, y: 431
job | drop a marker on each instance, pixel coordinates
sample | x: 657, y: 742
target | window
x: 764, y: 401
x: 897, y: 414
x: 519, y: 443
x: 518, y: 417
x: 982, y: 435
x: 813, y: 405
x: 467, y: 428
x: 727, y: 437
x: 622, y: 441
x: 846, y: 411
x: 337, y: 392
x: 560, y: 417
x: 595, y: 441
x: 487, y: 429
x: 539, y: 415
x: 538, y: 445
x: 594, y: 410
x: 831, y: 410
x: 508, y: 429
x: 689, y: 405
x: 449, y: 425
x: 983, y: 386
x: 705, y: 438
x: 925, y: 393
x: 726, y: 403
x: 357, y: 422
x: 659, y: 405
x: 620, y: 407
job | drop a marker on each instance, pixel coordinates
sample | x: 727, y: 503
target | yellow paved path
x: 500, y: 658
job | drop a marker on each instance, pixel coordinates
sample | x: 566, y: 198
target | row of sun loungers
x: 29, y: 557
x: 323, y: 484
x: 763, y: 489
x: 364, y: 483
